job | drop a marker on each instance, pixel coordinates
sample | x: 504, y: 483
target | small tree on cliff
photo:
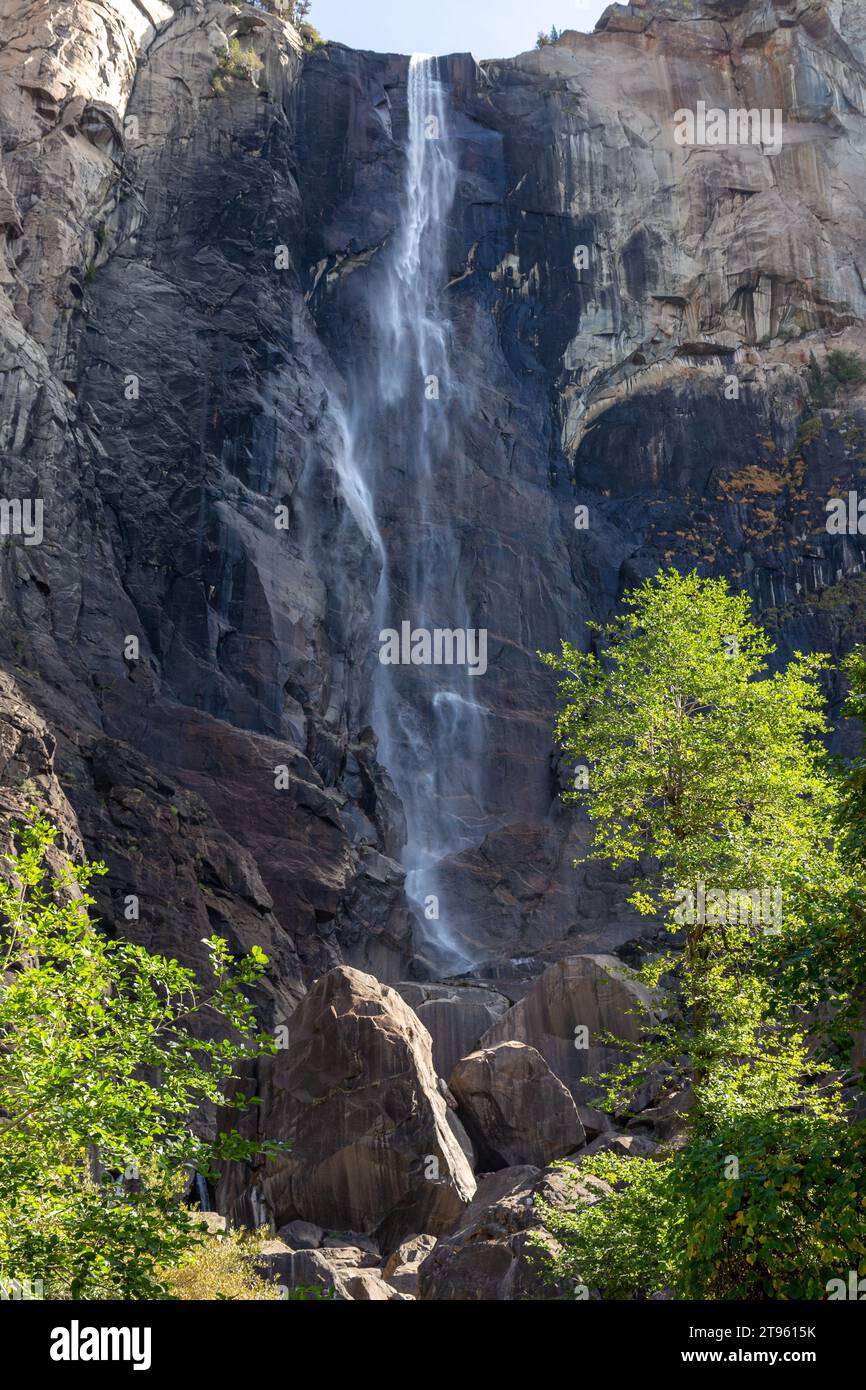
x: 294, y: 11
x: 99, y: 1080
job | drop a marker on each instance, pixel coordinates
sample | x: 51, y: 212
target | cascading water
x: 404, y: 412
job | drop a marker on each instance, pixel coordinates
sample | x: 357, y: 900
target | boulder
x: 595, y: 1122
x: 351, y: 1240
x: 515, y: 1110
x: 301, y: 1235
x: 489, y: 1256
x: 592, y: 992
x: 368, y: 1286
x: 455, y: 1016
x: 355, y: 1096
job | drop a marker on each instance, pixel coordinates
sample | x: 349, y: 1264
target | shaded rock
x: 301, y: 1235
x: 514, y: 1108
x: 489, y: 1255
x: 455, y: 1016
x: 669, y: 1118
x: 595, y: 1122
x: 327, y: 1270
x: 591, y: 992
x: 356, y: 1097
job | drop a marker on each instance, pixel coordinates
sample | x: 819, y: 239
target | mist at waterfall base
x: 430, y: 720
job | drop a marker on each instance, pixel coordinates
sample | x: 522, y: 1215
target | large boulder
x: 592, y: 992
x: 515, y: 1110
x: 455, y: 1016
x: 489, y: 1256
x: 355, y: 1095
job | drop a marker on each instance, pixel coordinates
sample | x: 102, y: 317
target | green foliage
x: 544, y: 39
x: 310, y: 1293
x: 823, y: 963
x: 852, y: 808
x: 697, y: 755
x: 311, y: 37
x: 765, y: 1209
x: 620, y: 1242
x: 792, y: 1219
x: 808, y: 432
x: 704, y: 768
x: 99, y: 1081
x: 842, y: 371
x: 236, y: 62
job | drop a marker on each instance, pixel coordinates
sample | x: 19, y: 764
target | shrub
x: 222, y: 1267
x: 236, y: 62
x: 311, y: 37
x: 842, y: 371
x: 792, y: 1219
x: 620, y: 1243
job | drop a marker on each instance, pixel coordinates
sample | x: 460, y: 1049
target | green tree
x: 100, y: 1078
x: 294, y: 11
x: 707, y: 772
x: 841, y: 372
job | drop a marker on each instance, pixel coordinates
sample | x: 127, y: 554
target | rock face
x: 574, y: 1002
x: 489, y: 1255
x: 186, y: 281
x: 455, y: 1016
x: 514, y: 1108
x: 355, y: 1095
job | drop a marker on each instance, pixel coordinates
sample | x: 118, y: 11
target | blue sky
x: 487, y: 28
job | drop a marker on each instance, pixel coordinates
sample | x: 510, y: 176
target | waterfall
x: 404, y: 412
x: 202, y: 1192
